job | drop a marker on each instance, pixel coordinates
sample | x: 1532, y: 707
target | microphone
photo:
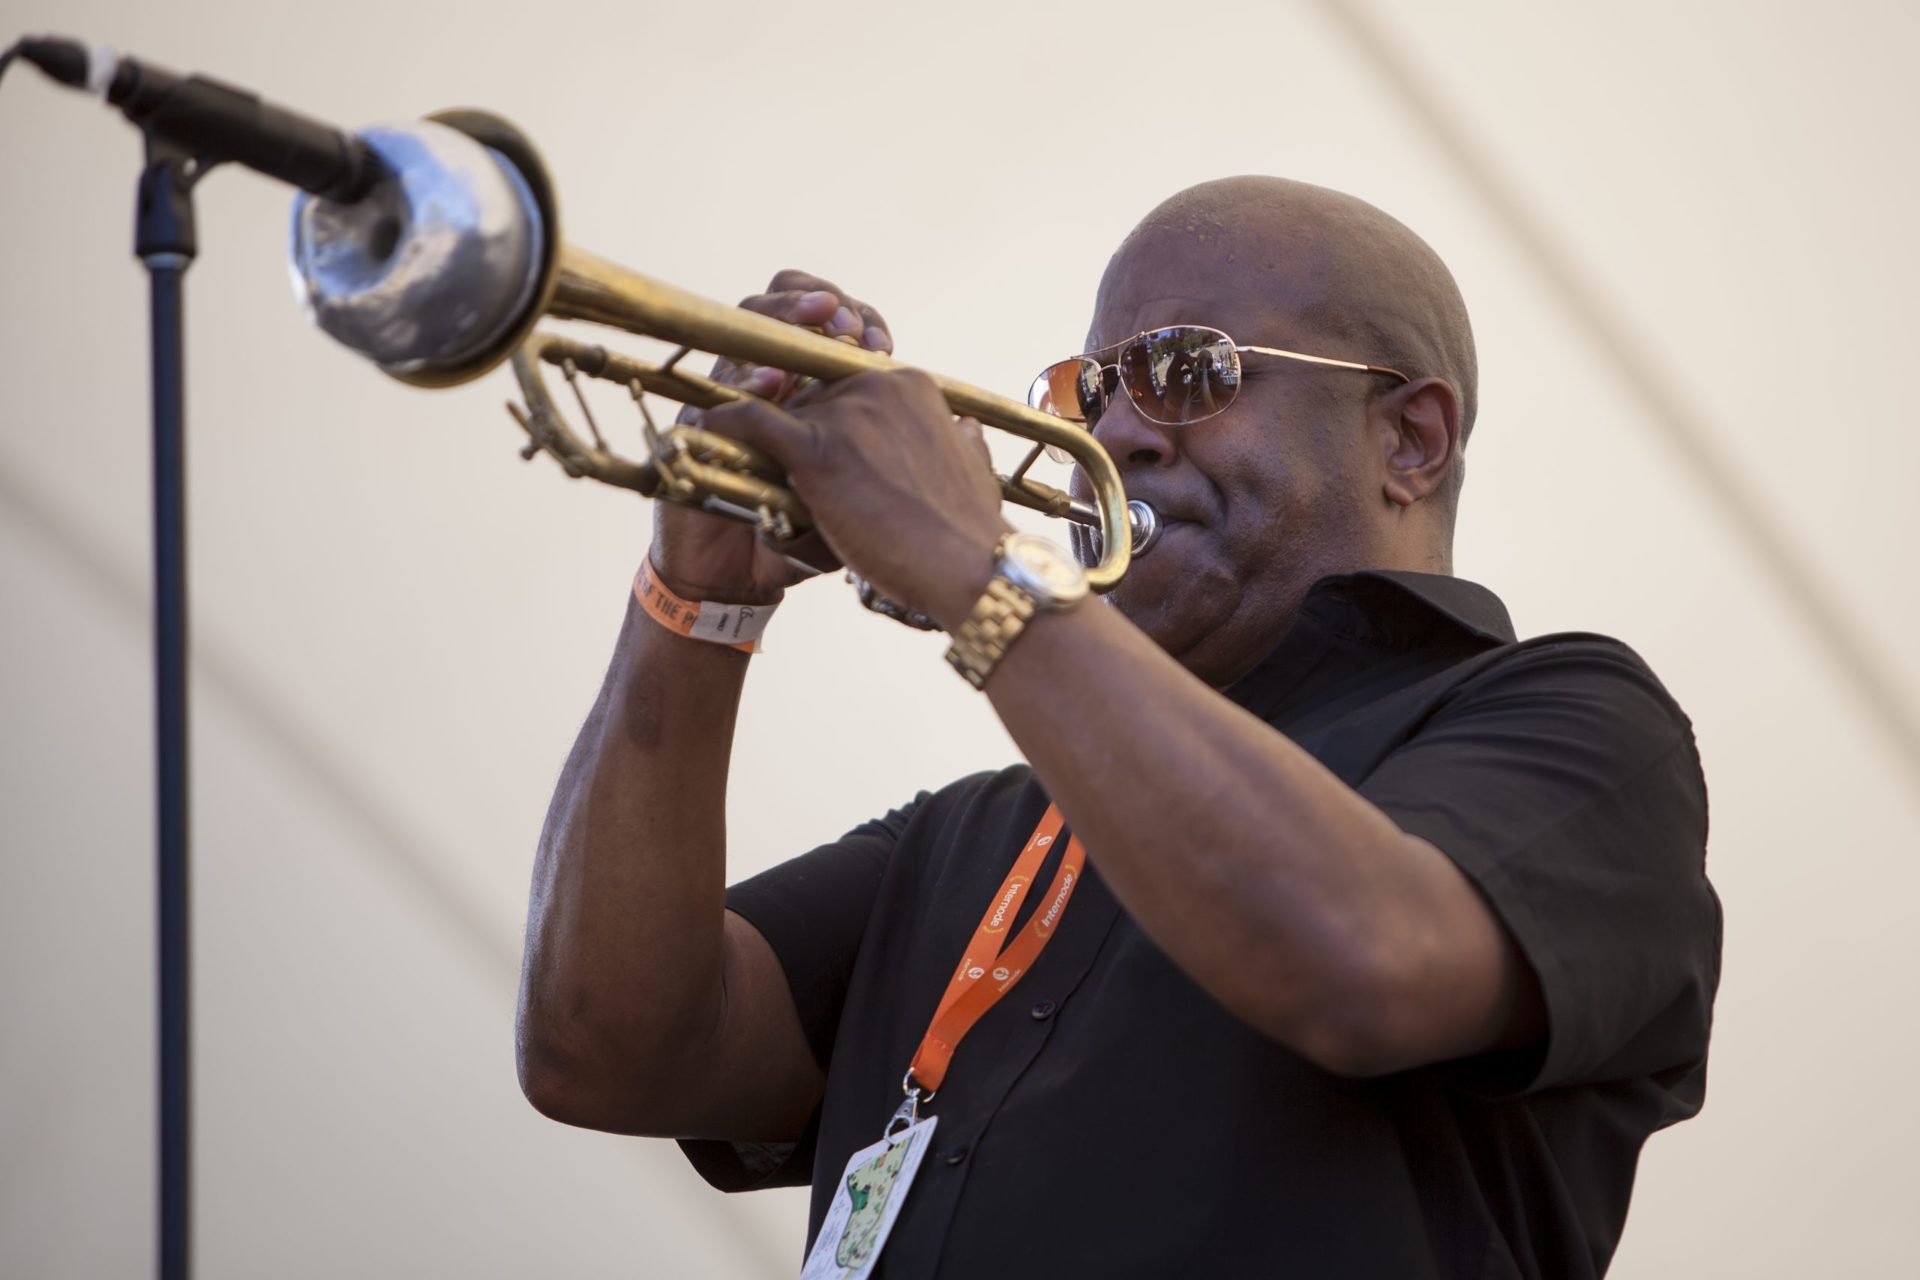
x: 213, y: 121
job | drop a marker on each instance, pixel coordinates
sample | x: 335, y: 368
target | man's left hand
x: 902, y: 492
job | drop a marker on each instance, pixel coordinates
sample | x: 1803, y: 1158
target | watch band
x: 997, y: 620
x: 999, y: 616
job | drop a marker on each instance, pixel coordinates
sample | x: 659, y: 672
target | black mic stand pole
x: 190, y: 123
x: 164, y: 240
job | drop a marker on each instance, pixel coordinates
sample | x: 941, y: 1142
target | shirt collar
x: 1355, y: 619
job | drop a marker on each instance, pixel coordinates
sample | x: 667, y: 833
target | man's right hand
x: 707, y: 557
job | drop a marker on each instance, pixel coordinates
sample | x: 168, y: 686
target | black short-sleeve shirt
x: 1109, y: 1118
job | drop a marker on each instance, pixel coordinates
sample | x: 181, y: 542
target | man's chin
x: 1177, y: 614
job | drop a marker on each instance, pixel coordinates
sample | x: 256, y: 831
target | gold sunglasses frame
x: 1100, y: 367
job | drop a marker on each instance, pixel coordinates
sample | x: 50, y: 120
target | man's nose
x: 1131, y: 440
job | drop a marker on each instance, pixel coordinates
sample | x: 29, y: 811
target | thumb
x: 970, y: 427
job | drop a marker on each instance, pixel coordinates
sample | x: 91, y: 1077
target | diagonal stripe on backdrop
x: 1876, y: 692
x: 416, y: 871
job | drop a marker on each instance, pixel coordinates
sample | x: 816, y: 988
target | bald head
x: 1363, y: 281
x: 1305, y: 472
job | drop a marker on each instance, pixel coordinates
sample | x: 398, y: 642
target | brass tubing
x: 591, y: 288
x: 477, y: 262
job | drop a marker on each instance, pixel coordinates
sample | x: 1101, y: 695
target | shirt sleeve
x: 812, y: 910
x: 1564, y: 782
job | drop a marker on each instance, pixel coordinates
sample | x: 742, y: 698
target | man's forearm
x: 1283, y: 892
x: 624, y: 947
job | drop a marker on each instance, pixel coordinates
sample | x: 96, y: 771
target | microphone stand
x: 190, y: 124
x: 165, y: 241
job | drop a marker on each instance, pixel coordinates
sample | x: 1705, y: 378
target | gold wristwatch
x: 1030, y: 575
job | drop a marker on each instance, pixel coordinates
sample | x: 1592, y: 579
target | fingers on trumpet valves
x: 809, y: 302
x: 766, y: 429
x: 800, y: 297
x: 768, y: 384
x: 760, y: 381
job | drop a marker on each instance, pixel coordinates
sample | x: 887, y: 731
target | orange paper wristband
x: 738, y: 626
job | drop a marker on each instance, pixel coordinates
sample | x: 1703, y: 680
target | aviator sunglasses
x: 1175, y: 376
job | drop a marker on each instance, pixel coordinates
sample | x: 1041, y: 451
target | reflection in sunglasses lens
x: 1182, y: 374
x: 1174, y: 376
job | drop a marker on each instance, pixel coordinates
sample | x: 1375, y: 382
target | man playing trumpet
x: 1327, y: 929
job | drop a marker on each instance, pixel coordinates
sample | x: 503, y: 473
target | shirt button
x: 956, y: 1154
x: 1042, y: 1011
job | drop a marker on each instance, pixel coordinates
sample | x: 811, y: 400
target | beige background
x: 1683, y: 230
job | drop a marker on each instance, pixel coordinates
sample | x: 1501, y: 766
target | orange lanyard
x: 993, y: 964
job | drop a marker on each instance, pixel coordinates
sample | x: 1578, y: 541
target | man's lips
x: 1167, y: 529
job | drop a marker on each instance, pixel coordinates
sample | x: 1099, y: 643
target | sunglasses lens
x: 1072, y: 390
x: 1181, y: 375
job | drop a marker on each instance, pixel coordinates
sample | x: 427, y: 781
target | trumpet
x: 445, y: 267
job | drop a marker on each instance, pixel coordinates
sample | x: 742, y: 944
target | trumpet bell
x: 444, y: 267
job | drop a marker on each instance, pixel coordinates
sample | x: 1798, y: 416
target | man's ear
x: 1420, y: 433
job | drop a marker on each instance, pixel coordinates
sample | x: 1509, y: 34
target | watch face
x: 1051, y: 576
